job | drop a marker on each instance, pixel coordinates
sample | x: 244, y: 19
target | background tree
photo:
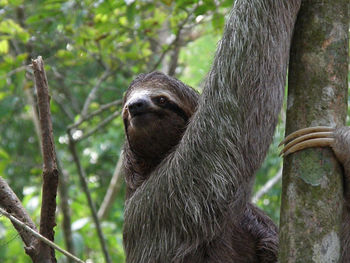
x: 317, y: 96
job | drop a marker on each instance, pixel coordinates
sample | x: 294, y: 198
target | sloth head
x: 156, y: 111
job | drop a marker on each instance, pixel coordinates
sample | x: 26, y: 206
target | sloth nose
x: 137, y: 107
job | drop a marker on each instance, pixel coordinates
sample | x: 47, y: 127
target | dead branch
x: 50, y: 171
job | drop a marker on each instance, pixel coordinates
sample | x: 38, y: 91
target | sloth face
x: 154, y: 120
x: 145, y: 105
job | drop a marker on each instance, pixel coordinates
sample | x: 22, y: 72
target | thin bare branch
x: 34, y: 113
x: 23, y: 226
x: 63, y: 189
x: 100, y: 126
x: 61, y: 87
x: 84, y: 185
x: 93, y: 92
x: 16, y: 70
x: 173, y: 43
x: 101, y: 109
x: 63, y: 105
x: 112, y: 190
x: 267, y: 186
x: 174, y: 57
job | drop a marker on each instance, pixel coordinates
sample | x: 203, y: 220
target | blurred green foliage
x: 81, y: 41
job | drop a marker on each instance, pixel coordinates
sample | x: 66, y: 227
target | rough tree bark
x: 312, y: 179
x: 50, y: 171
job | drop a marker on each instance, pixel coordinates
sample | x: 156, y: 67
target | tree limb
x: 34, y: 113
x: 312, y: 191
x: 92, y: 94
x: 173, y: 43
x: 63, y: 105
x: 83, y: 182
x: 10, y: 202
x: 63, y: 189
x: 101, y: 125
x: 267, y: 186
x: 112, y: 190
x: 101, y: 109
x: 50, y: 171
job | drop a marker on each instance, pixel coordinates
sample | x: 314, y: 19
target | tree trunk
x: 312, y: 179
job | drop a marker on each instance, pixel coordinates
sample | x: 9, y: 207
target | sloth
x: 156, y: 111
x: 190, y: 160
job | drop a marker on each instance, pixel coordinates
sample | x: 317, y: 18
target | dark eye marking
x: 165, y: 103
x: 175, y: 108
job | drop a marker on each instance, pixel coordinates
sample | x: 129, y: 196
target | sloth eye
x: 161, y: 100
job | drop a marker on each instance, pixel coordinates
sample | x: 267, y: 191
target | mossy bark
x: 317, y: 95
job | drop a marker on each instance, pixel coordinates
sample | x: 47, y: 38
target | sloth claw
x: 319, y: 136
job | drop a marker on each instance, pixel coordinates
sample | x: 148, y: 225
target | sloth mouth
x: 143, y: 119
x: 141, y: 114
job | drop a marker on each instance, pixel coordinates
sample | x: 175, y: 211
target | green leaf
x: 11, y: 28
x: 182, y: 3
x: 3, y: 2
x: 4, y: 46
x: 218, y: 22
x: 205, y: 7
x: 4, y: 155
x: 15, y: 2
x: 130, y: 12
x: 227, y: 3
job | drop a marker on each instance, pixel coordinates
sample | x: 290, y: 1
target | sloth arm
x: 187, y: 199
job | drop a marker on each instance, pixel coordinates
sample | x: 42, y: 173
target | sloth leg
x: 264, y: 233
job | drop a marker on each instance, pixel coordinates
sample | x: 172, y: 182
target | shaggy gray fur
x: 187, y: 201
